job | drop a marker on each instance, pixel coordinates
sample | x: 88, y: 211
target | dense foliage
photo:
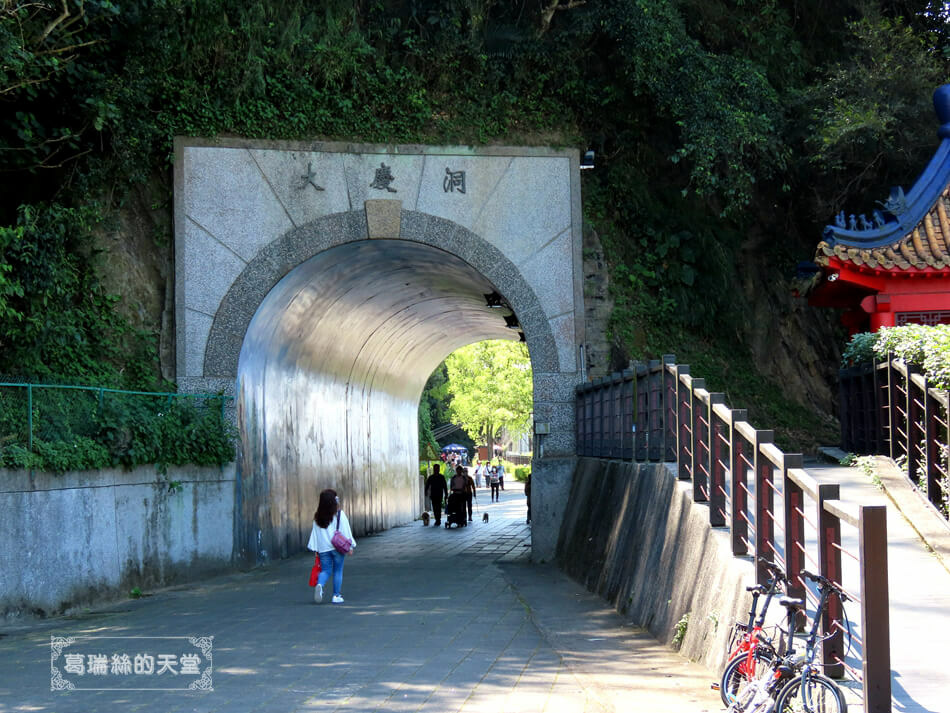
x: 923, y: 346
x: 491, y: 387
x: 716, y: 122
x: 83, y: 429
x: 56, y: 321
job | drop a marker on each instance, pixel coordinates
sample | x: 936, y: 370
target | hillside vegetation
x: 727, y: 133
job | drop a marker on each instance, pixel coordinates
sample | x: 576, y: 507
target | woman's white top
x: 320, y: 536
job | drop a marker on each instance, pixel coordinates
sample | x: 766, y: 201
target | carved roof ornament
x: 910, y: 230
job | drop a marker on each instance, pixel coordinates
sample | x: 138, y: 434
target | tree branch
x: 60, y: 50
x: 547, y: 13
x: 54, y: 24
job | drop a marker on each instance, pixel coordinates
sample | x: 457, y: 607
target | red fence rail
x: 888, y: 408
x: 773, y: 509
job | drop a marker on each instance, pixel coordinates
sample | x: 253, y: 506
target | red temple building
x: 894, y: 268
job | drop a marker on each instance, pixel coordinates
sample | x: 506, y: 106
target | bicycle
x: 756, y: 695
x: 750, y: 651
x: 811, y: 691
x: 794, y: 683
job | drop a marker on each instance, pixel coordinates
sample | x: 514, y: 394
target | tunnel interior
x: 330, y: 375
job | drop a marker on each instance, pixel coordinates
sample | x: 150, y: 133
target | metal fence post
x: 932, y: 458
x: 875, y: 612
x: 616, y: 390
x: 764, y: 505
x: 642, y: 442
x: 717, y: 468
x: 667, y: 438
x: 794, y: 506
x: 29, y: 416
x: 630, y: 412
x: 738, y: 526
x: 829, y: 562
x: 891, y: 407
x: 911, y: 425
x: 681, y: 427
x: 876, y: 420
x: 699, y: 443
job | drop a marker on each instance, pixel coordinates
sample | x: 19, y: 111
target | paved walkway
x: 435, y: 620
x: 919, y: 590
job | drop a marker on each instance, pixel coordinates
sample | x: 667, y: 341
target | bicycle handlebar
x: 774, y: 569
x: 824, y: 582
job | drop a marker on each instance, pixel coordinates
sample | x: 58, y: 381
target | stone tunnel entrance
x: 321, y: 285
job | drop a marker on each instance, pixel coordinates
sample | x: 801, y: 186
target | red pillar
x: 882, y: 319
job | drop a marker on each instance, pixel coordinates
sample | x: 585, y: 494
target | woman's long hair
x: 326, y: 509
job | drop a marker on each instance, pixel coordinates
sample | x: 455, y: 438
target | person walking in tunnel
x: 436, y: 492
x: 527, y: 494
x: 327, y: 520
x: 469, y: 488
x: 480, y: 471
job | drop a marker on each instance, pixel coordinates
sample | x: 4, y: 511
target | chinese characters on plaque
x: 452, y: 182
x: 384, y: 176
x: 309, y: 178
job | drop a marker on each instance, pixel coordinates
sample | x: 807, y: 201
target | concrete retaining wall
x: 74, y: 539
x: 632, y: 534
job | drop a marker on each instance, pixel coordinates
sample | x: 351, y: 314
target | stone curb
x: 919, y: 512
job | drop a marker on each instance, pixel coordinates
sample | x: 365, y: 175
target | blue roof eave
x: 921, y: 198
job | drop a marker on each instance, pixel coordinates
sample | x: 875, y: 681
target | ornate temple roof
x: 910, y: 232
x: 925, y: 246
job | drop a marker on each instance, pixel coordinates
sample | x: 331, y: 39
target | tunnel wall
x: 632, y: 534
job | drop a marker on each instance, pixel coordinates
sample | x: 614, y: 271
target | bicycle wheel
x: 735, y: 677
x: 822, y: 694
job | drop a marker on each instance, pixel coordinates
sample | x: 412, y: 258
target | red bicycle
x: 750, y: 648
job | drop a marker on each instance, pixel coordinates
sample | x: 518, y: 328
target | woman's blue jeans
x: 331, y: 562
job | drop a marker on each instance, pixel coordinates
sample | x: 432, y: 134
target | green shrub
x: 522, y: 472
x: 80, y: 454
x: 16, y: 456
x: 72, y: 431
x: 923, y: 346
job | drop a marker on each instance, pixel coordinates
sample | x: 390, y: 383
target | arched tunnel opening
x: 330, y: 374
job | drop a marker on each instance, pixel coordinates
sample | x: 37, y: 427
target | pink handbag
x: 339, y: 541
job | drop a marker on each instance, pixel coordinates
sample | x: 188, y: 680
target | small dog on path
x: 485, y: 517
x: 425, y: 519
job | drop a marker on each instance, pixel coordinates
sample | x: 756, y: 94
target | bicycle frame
x: 749, y: 643
x: 825, y: 589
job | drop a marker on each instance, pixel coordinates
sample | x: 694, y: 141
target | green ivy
x: 55, y: 317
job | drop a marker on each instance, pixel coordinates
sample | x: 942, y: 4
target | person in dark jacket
x: 469, y: 488
x: 527, y: 494
x: 436, y: 492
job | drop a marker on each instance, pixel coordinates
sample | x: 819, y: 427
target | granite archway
x: 326, y: 323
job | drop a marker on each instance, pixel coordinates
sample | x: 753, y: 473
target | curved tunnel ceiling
x: 378, y: 314
x: 330, y: 374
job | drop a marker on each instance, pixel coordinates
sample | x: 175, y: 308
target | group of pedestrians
x: 461, y: 482
x: 332, y: 539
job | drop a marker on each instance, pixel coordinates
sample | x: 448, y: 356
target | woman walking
x: 493, y: 477
x: 326, y: 521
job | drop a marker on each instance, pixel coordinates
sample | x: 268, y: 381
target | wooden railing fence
x: 771, y: 506
x: 889, y: 408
